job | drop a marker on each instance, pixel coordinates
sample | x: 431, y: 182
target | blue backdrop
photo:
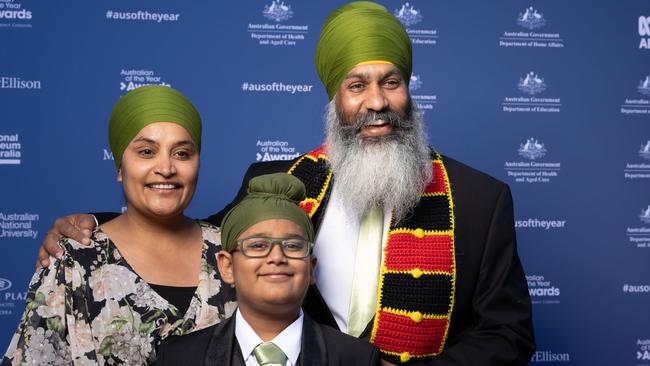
x: 551, y: 97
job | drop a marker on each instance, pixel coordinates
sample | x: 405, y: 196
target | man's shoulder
x: 274, y: 166
x: 465, y: 176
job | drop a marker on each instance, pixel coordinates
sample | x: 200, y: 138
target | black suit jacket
x: 217, y: 345
x: 491, y: 321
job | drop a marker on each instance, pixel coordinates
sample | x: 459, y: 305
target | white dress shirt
x: 288, y: 340
x: 336, y: 248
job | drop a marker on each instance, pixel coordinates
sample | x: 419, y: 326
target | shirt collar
x: 289, y: 340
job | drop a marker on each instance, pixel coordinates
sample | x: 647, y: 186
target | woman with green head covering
x: 149, y: 274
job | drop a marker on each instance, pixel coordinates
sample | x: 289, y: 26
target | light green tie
x: 363, y: 299
x: 268, y: 354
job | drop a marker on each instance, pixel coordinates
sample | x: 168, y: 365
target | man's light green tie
x: 268, y: 354
x: 363, y: 298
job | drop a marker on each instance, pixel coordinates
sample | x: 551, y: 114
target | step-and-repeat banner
x: 551, y: 97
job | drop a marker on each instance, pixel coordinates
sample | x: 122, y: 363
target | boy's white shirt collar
x: 289, y: 340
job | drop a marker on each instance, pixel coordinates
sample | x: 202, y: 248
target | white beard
x: 390, y: 172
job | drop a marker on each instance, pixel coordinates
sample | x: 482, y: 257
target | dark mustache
x: 390, y: 117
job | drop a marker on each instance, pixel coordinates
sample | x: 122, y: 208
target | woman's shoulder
x: 211, y: 234
x: 98, y: 247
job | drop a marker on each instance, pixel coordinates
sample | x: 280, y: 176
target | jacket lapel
x: 367, y: 332
x: 312, y: 349
x: 314, y: 305
x: 237, y: 358
x: 223, y: 348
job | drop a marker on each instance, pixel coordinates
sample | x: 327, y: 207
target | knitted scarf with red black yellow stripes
x: 418, y: 271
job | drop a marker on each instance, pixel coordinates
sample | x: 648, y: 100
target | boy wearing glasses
x: 267, y: 242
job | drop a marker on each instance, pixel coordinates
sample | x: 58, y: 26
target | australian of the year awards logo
x: 541, y: 290
x: 10, y: 149
x: 270, y: 150
x: 530, y: 85
x: 638, y: 105
x: 529, y: 35
x: 639, y: 235
x: 134, y: 78
x: 14, y: 15
x: 424, y: 100
x: 531, y: 170
x: 639, y: 169
x: 644, y: 32
x: 643, y: 350
x: 277, y: 33
x: 410, y: 16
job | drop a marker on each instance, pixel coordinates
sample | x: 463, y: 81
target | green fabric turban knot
x: 146, y: 105
x: 270, y: 196
x: 359, y: 32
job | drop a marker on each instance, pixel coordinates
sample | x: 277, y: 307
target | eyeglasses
x: 260, y: 247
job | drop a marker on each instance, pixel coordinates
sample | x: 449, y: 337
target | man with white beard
x: 416, y: 251
x: 397, y: 163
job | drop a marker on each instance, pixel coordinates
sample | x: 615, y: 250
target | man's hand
x: 77, y: 227
x: 386, y: 363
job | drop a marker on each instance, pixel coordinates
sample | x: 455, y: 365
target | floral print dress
x: 91, y: 308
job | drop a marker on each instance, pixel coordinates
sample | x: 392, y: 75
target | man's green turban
x: 359, y: 32
x: 270, y: 196
x: 146, y: 105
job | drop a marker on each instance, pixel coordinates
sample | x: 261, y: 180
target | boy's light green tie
x: 268, y: 354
